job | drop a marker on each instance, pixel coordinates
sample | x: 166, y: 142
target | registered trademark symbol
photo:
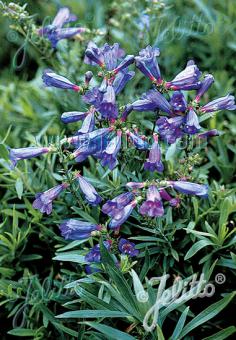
x: 220, y: 278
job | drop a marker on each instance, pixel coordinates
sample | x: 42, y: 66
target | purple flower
x: 146, y: 62
x: 89, y: 191
x: 151, y: 101
x: 178, y: 102
x: 88, y: 124
x: 170, y: 128
x: 121, y: 80
x: 94, y: 255
x: 138, y: 142
x: 25, y: 153
x: 127, y: 248
x: 107, y: 56
x: 154, y: 160
x: 117, y: 203
x: 126, y: 112
x: 210, y: 133
x: 73, y: 229
x: 52, y: 79
x: 223, y: 103
x: 128, y: 60
x: 153, y: 206
x: 73, y: 116
x: 135, y: 185
x: 43, y: 201
x: 188, y: 77
x: 87, y: 77
x: 174, y: 202
x: 121, y: 215
x: 55, y: 32
x: 91, y: 269
x: 108, y: 107
x: 206, y: 83
x: 93, y: 97
x: 189, y: 188
x: 192, y: 124
x: 110, y: 153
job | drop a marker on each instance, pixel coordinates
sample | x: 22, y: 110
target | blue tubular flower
x: 192, y: 124
x: 153, y: 206
x: 88, y: 124
x: 135, y: 185
x: 154, y: 160
x: 73, y: 116
x: 178, y: 102
x: 89, y: 191
x: 189, y: 188
x: 206, y: 83
x: 117, y: 203
x: 93, y: 136
x: 85, y: 150
x: 127, y: 248
x: 126, y: 112
x: 108, y: 107
x: 210, y: 133
x: 26, y: 153
x: 151, y: 101
x: 94, y: 255
x: 146, y: 62
x: 55, y: 32
x: 173, y: 201
x: 128, y: 60
x: 121, y: 80
x: 106, y: 56
x: 55, y: 80
x: 43, y: 201
x: 73, y: 229
x: 223, y: 103
x: 121, y: 215
x: 138, y: 142
x: 188, y: 77
x: 93, y: 97
x: 170, y: 128
x: 110, y: 153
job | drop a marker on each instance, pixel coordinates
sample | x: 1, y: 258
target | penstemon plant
x: 111, y: 133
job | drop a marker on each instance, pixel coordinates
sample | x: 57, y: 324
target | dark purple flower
x: 121, y: 215
x: 146, y: 62
x: 56, y: 32
x: 188, y: 77
x: 205, y: 84
x: 26, y: 153
x: 210, y: 133
x: 189, y: 188
x: 154, y: 160
x: 91, y: 269
x: 138, y: 142
x: 121, y: 80
x: 223, y: 103
x: 151, y: 101
x: 191, y: 124
x: 173, y: 201
x: 178, y: 102
x: 153, y: 206
x: 127, y: 248
x: 88, y: 124
x: 73, y: 116
x: 128, y: 60
x: 73, y: 229
x: 117, y: 203
x: 94, y: 255
x: 110, y: 153
x: 108, y: 107
x: 87, y: 77
x: 88, y: 190
x: 55, y: 80
x: 43, y: 201
x: 170, y: 128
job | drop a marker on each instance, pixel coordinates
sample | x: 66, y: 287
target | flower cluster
x: 105, y: 123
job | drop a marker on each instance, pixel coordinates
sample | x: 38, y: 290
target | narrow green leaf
x: 110, y: 332
x: 180, y: 325
x: 196, y: 247
x: 223, y: 334
x: 93, y: 314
